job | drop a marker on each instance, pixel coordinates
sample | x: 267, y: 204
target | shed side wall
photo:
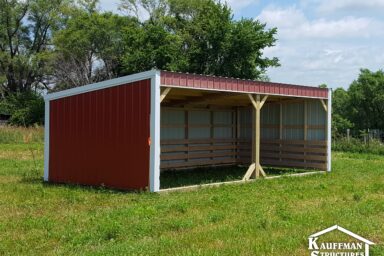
x: 101, y: 137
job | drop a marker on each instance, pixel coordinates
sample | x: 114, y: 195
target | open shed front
x: 219, y: 128
x: 203, y: 128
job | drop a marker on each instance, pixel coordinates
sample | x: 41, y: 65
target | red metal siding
x: 101, y: 137
x: 239, y: 85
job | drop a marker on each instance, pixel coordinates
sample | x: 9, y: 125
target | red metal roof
x: 176, y: 79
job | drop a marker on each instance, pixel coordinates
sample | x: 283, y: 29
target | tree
x: 366, y: 100
x: 25, y: 47
x: 148, y: 46
x: 89, y: 47
x: 200, y: 36
x: 244, y: 56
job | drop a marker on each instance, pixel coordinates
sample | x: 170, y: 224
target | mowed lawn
x: 267, y: 217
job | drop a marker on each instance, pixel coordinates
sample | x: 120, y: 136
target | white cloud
x: 315, y: 50
x: 292, y: 23
x: 282, y: 18
x: 327, y: 6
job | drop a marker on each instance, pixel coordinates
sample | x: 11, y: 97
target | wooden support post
x: 237, y: 125
x: 164, y: 93
x: 324, y: 105
x: 281, y: 130
x: 257, y: 139
x: 305, y: 126
x: 211, y: 131
x: 255, y: 167
x: 253, y: 113
x: 186, y: 131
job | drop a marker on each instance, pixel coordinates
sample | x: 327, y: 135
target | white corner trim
x: 46, y: 141
x: 329, y: 130
x: 102, y: 85
x: 154, y: 172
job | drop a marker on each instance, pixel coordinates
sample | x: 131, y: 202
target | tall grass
x: 16, y: 135
x: 357, y: 146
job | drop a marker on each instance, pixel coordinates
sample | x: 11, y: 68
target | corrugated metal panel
x: 239, y: 85
x: 293, y: 115
x: 101, y: 137
x: 222, y: 121
x: 246, y: 123
x: 316, y: 117
x: 199, y: 122
x: 270, y: 120
x: 173, y: 124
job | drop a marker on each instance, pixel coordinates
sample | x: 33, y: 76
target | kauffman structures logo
x: 360, y: 247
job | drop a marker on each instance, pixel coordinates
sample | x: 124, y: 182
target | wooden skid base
x: 217, y: 184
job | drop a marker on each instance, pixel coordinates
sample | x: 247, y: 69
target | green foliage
x: 26, y: 108
x: 323, y: 86
x: 367, y: 100
x: 149, y: 46
x: 361, y: 107
x: 243, y: 57
x: 198, y: 37
x: 357, y: 146
x: 340, y: 125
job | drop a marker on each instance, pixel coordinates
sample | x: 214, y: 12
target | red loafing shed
x: 122, y: 132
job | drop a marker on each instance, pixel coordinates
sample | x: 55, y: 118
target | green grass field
x: 267, y: 217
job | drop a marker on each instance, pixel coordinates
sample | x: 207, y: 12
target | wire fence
x: 365, y: 135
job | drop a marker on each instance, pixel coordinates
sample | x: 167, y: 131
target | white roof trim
x: 344, y: 231
x: 101, y: 85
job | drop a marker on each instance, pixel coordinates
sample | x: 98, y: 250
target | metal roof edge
x: 101, y: 85
x: 242, y: 79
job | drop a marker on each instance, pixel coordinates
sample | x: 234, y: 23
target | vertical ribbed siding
x: 239, y: 85
x: 101, y: 137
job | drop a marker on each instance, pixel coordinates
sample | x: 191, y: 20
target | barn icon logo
x: 359, y: 247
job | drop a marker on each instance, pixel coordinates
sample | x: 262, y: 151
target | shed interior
x: 214, y: 128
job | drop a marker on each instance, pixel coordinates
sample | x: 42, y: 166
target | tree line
x: 361, y: 106
x: 50, y: 45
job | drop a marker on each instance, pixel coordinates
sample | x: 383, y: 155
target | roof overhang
x: 213, y: 83
x: 202, y: 82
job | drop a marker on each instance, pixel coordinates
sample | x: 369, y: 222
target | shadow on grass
x: 34, y: 180
x: 204, y: 175
x: 168, y: 178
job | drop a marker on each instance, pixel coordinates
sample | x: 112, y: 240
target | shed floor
x: 206, y: 175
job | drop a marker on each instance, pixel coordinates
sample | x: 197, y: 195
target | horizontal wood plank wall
x: 279, y: 153
x: 189, y: 140
x: 289, y: 153
x: 193, y: 137
x: 197, y: 152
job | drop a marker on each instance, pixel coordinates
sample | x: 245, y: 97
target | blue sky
x: 319, y: 41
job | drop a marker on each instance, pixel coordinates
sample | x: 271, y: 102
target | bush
x: 357, y: 146
x: 25, y: 108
